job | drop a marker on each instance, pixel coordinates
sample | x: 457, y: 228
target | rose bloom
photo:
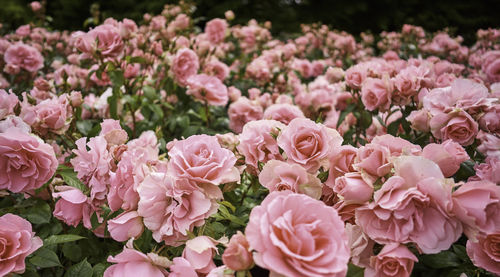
x: 292, y: 236
x: 448, y: 156
x: 8, y: 101
x: 477, y: 205
x: 257, y: 143
x: 278, y: 176
x: 171, y: 207
x: 490, y: 121
x: 458, y: 126
x: 199, y: 252
x: 72, y: 206
x: 353, y: 188
x: 184, y: 65
x: 243, y: 111
x: 207, y: 89
x: 50, y: 115
x: 125, y: 226
x: 360, y: 244
x: 26, y: 162
x: 216, y: 30
x: 491, y: 66
x: 485, y: 252
x: 17, y: 241
x: 412, y: 206
x: 201, y: 160
x: 283, y: 113
x: 376, y: 94
x: 131, y: 262
x: 355, y: 76
x: 217, y: 68
x: 24, y: 56
x: 182, y: 268
x: 395, y: 260
x: 308, y: 144
x: 104, y: 39
x: 237, y: 255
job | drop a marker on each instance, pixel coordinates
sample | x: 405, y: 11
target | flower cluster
x: 161, y: 149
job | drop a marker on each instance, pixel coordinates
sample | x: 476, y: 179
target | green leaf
x: 72, y: 251
x: 113, y: 103
x: 149, y: 92
x: 56, y: 239
x: 116, y: 77
x: 229, y: 205
x: 40, y: 213
x: 440, y: 260
x: 354, y: 271
x: 84, y: 126
x: 99, y: 270
x: 44, y: 258
x: 81, y: 269
x: 344, y: 113
x: 69, y: 177
x: 137, y: 59
x: 393, y: 128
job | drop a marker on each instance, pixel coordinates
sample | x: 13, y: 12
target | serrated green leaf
x: 44, y: 258
x: 40, y: 213
x: 81, y: 269
x: 441, y: 260
x: 56, y: 239
x: 117, y: 78
x: 70, y: 178
x: 99, y: 270
x: 72, y: 251
x: 229, y: 205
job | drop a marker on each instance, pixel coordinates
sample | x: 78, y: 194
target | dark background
x: 463, y: 17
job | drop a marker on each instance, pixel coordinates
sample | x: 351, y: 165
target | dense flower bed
x: 164, y: 150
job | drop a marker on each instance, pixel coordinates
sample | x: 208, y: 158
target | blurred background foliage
x: 463, y: 17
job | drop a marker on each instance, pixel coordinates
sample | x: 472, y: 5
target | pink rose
x: 14, y: 122
x: 376, y: 94
x: 355, y: 76
x: 50, y: 115
x: 199, y: 252
x: 17, y: 241
x: 395, y: 260
x: 92, y: 164
x: 125, y: 226
x: 104, y: 39
x: 484, y: 253
x: 448, y: 155
x: 490, y: 121
x: 72, y: 207
x: 132, y: 262
x: 113, y: 132
x: 490, y: 144
x: 217, y: 68
x: 341, y: 162
x: 24, y: 56
x: 283, y: 215
x: 278, y: 176
x: 8, y: 101
x: 257, y: 143
x: 308, y: 144
x: 241, y: 112
x: 26, y: 162
x: 171, y: 207
x: 182, y: 268
x: 412, y: 206
x: 373, y: 159
x: 458, y: 126
x: 35, y: 6
x: 491, y: 66
x: 184, y: 65
x: 353, y: 188
x: 237, y: 255
x: 201, y: 160
x: 207, y: 89
x: 283, y: 113
x: 396, y: 145
x: 216, y: 30
x: 477, y: 205
x: 360, y: 244
x: 419, y: 120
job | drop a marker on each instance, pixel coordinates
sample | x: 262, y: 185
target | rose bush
x: 160, y: 148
